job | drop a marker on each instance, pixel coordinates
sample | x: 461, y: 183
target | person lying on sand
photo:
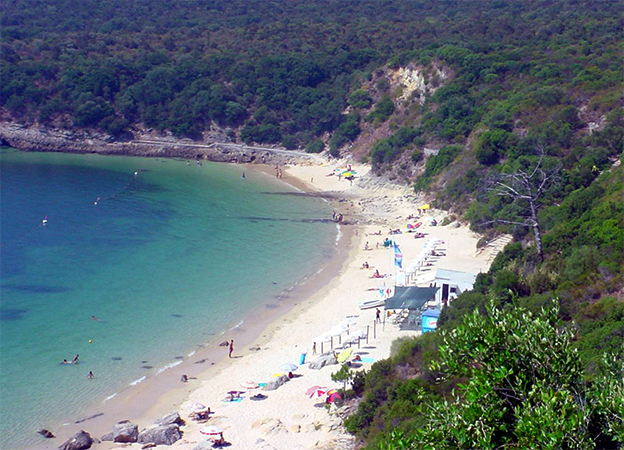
x: 377, y: 274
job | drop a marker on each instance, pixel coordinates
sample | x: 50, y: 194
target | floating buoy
x: 90, y: 341
x: 45, y: 220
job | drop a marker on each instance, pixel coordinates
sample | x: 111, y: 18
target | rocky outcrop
x: 43, y: 139
x: 269, y: 426
x: 125, y: 431
x: 46, y: 433
x: 275, y: 383
x: 324, y: 360
x: 161, y: 435
x: 108, y: 437
x: 80, y: 441
x: 204, y: 445
x: 170, y: 418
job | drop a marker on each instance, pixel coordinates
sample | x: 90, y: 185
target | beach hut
x: 451, y: 282
x: 430, y: 320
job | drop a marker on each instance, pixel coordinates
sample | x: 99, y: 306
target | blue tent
x: 430, y: 320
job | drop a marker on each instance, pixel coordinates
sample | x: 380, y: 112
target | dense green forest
x: 514, y: 90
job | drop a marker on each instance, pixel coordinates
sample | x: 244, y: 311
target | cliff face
x: 39, y: 139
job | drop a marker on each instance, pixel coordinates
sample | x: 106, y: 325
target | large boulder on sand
x: 80, y: 441
x: 204, y: 445
x: 109, y: 437
x: 161, y: 435
x: 275, y: 383
x: 325, y: 359
x: 170, y: 418
x: 125, y: 431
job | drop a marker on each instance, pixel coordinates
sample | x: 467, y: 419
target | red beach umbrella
x: 317, y: 391
x: 211, y: 430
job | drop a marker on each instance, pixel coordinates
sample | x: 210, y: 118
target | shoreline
x: 288, y: 419
x: 147, y: 399
x: 144, y: 143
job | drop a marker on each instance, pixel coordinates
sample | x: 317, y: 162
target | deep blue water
x: 166, y: 259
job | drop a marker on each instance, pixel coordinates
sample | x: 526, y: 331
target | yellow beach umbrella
x: 344, y: 355
x: 425, y: 206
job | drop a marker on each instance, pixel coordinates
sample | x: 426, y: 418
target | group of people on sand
x: 337, y: 217
x: 278, y: 172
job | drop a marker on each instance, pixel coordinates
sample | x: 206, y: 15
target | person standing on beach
x: 378, y: 315
x: 231, y: 348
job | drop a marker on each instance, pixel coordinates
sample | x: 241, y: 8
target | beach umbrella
x: 249, y: 385
x: 211, y: 430
x: 425, y: 206
x: 196, y: 407
x: 316, y: 391
x: 331, y: 398
x: 288, y: 367
x: 344, y: 355
x: 278, y: 374
x: 337, y: 330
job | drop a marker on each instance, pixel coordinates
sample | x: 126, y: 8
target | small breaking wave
x: 135, y: 382
x: 110, y: 397
x: 168, y: 366
x: 238, y: 325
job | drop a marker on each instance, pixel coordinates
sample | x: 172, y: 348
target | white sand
x: 288, y: 419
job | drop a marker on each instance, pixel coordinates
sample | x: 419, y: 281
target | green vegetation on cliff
x: 508, y: 89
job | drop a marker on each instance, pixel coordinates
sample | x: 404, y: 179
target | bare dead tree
x: 526, y: 188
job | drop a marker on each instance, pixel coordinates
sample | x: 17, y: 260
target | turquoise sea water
x: 166, y: 259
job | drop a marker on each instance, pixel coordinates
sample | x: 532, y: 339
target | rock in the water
x: 161, y: 435
x: 125, y: 431
x: 46, y: 433
x: 108, y: 437
x: 274, y: 384
x: 170, y: 418
x: 325, y: 359
x: 80, y: 441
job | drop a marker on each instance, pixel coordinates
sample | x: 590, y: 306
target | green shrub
x: 315, y: 146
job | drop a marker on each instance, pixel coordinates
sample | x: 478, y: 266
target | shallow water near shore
x: 166, y: 261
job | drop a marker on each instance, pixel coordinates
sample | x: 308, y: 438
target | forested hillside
x: 509, y: 113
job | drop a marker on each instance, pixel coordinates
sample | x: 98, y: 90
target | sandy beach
x: 288, y: 419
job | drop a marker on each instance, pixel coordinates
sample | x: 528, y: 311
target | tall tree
x: 526, y: 188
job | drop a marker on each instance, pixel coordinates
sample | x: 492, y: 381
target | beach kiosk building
x: 430, y: 320
x: 451, y: 283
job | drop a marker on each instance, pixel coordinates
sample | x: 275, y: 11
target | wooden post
x: 367, y: 327
x: 375, y: 329
x: 332, y: 342
x: 359, y: 342
x: 322, y: 348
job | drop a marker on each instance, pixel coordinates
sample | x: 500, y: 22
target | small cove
x: 167, y: 260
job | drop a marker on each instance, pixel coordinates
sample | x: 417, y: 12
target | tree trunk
x: 536, y: 231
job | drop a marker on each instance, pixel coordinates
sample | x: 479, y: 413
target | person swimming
x: 90, y: 375
x: 65, y: 362
x: 243, y: 175
x: 75, y: 360
x: 44, y: 221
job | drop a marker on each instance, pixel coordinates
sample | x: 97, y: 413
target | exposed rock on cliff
x: 54, y: 140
